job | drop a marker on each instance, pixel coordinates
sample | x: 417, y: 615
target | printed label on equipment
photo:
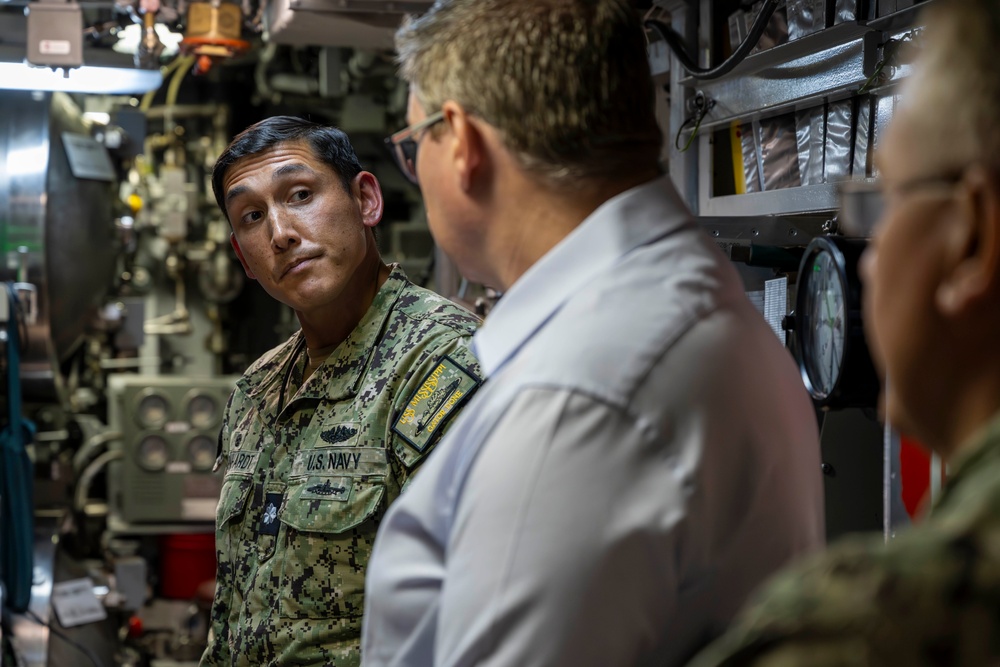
x: 76, y: 603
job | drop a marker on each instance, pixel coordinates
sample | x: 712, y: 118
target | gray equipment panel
x: 170, y: 427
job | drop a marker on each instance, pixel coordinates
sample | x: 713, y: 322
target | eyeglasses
x: 403, y: 145
x: 863, y: 203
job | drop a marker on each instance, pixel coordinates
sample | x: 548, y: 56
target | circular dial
x: 201, y: 452
x: 153, y: 453
x: 153, y: 410
x: 829, y: 343
x: 202, y: 411
x: 827, y: 324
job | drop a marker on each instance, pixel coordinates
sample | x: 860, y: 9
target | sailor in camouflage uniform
x: 323, y: 432
x: 931, y: 596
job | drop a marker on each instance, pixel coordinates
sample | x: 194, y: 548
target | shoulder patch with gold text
x: 445, y: 388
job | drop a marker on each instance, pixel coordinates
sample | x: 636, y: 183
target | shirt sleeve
x: 564, y: 533
x: 440, y: 386
x: 927, y: 598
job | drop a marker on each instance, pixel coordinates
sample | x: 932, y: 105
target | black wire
x: 62, y: 635
x: 22, y: 328
x: 696, y: 121
x: 676, y: 43
x: 20, y: 318
x: 699, y: 115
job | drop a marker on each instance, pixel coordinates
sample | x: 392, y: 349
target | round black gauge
x: 201, y: 452
x: 202, y: 410
x: 152, y: 410
x: 826, y: 309
x: 153, y: 453
x: 833, y: 355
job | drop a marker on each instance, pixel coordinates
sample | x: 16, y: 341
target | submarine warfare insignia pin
x: 328, y: 488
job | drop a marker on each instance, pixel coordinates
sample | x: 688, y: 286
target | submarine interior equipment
x: 129, y: 317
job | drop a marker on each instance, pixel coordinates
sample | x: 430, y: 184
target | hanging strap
x: 16, y: 478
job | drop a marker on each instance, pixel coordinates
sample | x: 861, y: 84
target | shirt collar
x: 631, y: 219
x: 342, y: 370
x: 339, y: 376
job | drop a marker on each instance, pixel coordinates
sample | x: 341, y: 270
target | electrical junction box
x: 55, y: 34
x: 170, y: 433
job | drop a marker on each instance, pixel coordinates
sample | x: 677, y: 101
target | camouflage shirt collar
x: 339, y: 375
x: 981, y: 452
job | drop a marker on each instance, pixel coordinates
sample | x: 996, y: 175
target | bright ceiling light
x: 86, y: 79
x: 129, y: 36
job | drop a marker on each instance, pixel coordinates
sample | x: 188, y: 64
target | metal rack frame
x: 828, y: 66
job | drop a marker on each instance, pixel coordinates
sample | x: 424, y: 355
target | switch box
x: 55, y: 34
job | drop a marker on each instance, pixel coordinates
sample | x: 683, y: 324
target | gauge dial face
x: 153, y: 453
x: 202, y: 411
x: 201, y: 452
x: 827, y: 313
x: 153, y: 410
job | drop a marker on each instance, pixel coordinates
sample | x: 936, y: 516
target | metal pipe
x: 92, y: 444
x: 83, y: 485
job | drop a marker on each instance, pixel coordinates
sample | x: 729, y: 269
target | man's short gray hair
x: 566, y: 83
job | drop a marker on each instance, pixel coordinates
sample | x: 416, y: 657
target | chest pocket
x: 232, y: 501
x: 228, y: 521
x: 330, y: 515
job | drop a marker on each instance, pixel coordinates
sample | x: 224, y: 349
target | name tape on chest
x: 242, y: 464
x: 337, y: 461
x: 440, y: 393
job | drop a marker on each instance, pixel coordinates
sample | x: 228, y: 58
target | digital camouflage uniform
x: 306, y: 486
x: 929, y: 597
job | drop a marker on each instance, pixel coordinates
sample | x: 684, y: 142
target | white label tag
x: 177, y: 427
x: 54, y: 47
x: 776, y: 305
x: 75, y: 603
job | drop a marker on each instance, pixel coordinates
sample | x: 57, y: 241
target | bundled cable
x: 690, y: 64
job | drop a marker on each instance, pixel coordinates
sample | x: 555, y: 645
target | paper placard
x: 75, y: 603
x: 88, y: 158
x: 776, y: 305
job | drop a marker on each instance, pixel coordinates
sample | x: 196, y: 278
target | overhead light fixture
x: 85, y: 79
x: 130, y: 37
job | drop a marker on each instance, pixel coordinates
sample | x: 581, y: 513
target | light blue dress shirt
x: 642, y: 455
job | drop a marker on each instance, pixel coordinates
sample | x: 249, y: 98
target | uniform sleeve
x: 426, y: 406
x: 566, y: 489
x: 928, y: 598
x: 217, y: 652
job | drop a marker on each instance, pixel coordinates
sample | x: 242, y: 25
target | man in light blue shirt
x: 642, y: 453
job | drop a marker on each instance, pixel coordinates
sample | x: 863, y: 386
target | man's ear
x: 239, y: 253
x: 468, y: 147
x: 368, y: 194
x: 971, y: 277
